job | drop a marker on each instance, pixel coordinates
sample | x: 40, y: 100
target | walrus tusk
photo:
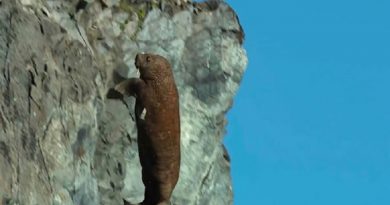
x: 143, y: 114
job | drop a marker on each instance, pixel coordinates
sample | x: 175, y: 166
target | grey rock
x: 65, y: 140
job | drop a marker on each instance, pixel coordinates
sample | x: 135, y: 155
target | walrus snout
x: 138, y: 59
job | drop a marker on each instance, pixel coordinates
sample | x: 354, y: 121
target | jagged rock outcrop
x: 64, y: 141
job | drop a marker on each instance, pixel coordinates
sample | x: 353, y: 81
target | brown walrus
x: 158, y: 126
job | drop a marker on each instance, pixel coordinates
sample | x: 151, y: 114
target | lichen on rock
x: 63, y: 141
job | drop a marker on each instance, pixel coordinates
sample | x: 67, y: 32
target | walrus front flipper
x: 130, y: 87
x: 128, y: 203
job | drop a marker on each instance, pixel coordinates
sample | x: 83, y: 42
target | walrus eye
x: 148, y: 59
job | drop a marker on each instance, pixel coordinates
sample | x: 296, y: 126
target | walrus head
x: 152, y: 67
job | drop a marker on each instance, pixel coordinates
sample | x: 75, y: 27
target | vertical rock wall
x: 63, y: 141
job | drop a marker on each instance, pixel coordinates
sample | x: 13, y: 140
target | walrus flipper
x: 130, y: 87
x: 128, y: 203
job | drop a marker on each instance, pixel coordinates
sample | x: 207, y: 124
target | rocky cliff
x: 63, y: 140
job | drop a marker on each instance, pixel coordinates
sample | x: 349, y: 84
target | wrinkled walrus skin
x: 158, y: 125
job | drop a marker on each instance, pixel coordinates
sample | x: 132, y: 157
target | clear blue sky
x: 311, y: 122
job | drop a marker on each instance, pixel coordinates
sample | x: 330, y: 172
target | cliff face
x: 63, y: 141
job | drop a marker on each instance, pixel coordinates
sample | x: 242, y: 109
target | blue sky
x: 310, y: 124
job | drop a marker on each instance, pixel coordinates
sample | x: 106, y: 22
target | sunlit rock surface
x: 64, y: 140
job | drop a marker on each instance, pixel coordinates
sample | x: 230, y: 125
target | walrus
x: 158, y: 125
